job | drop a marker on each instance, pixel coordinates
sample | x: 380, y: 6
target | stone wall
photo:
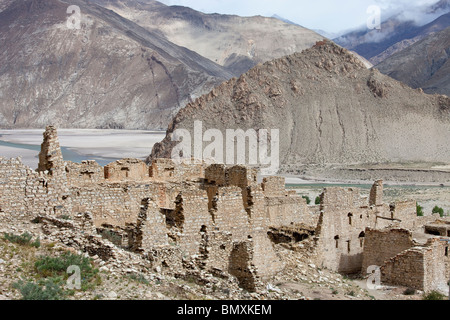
x: 422, y: 268
x: 85, y: 173
x: 13, y: 184
x: 127, y: 170
x: 406, y: 212
x: 382, y: 245
x: 406, y: 269
x: 168, y: 170
x: 345, y: 215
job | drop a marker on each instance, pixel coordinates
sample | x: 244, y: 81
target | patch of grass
x: 24, y: 239
x: 433, y: 295
x: 47, y: 289
x: 138, y: 278
x: 57, y: 266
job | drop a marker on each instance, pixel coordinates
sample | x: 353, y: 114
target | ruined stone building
x: 220, y: 219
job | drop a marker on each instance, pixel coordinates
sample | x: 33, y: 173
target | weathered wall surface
x: 344, y: 218
x: 382, y: 245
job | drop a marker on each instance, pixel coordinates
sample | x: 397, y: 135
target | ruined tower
x: 376, y: 194
x: 50, y: 157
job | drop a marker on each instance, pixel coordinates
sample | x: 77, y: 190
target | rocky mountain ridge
x: 329, y: 109
x: 396, y: 33
x: 110, y: 73
x: 234, y: 42
x: 423, y: 65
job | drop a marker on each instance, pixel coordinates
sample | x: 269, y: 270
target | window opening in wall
x: 362, y: 235
x: 337, y: 241
x: 350, y: 216
x: 348, y: 246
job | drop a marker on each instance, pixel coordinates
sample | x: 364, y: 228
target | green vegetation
x: 50, y: 277
x: 46, y: 289
x: 433, y: 295
x: 57, y: 267
x: 419, y: 211
x: 436, y: 209
x: 23, y: 240
x: 138, y: 278
x: 317, y: 201
x: 308, y: 200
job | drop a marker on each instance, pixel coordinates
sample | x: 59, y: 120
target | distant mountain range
x: 396, y: 33
x: 131, y: 65
x: 236, y: 43
x: 425, y: 64
x: 111, y: 73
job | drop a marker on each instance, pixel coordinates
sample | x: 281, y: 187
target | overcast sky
x: 328, y: 15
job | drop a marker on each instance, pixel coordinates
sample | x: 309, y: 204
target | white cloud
x: 328, y: 15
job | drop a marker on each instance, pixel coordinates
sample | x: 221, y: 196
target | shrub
x: 308, y: 200
x: 436, y: 209
x: 57, y: 267
x: 24, y: 239
x: 48, y: 289
x: 317, y: 200
x: 138, y: 278
x: 420, y: 211
x: 433, y: 295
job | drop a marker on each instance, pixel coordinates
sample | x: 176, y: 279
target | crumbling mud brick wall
x: 229, y: 213
x: 50, y: 157
x: 168, y: 170
x: 382, y: 245
x: 406, y: 212
x: 150, y: 229
x: 437, y: 227
x: 421, y: 268
x: 85, y: 173
x: 345, y: 215
x: 282, y: 208
x: 274, y: 186
x: 127, y: 170
x: 111, y: 203
x: 14, y: 177
x: 191, y: 220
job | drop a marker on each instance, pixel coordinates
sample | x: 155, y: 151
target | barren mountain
x: 397, y: 33
x: 4, y: 4
x: 329, y: 109
x: 425, y: 64
x: 237, y: 43
x: 110, y: 73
